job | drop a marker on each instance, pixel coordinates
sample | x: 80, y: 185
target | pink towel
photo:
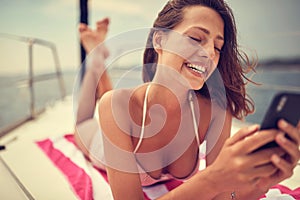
x: 82, y: 176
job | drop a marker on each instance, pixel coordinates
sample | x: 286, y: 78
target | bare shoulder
x: 114, y: 118
x: 122, y: 102
x: 113, y: 108
x: 116, y: 100
x: 116, y: 97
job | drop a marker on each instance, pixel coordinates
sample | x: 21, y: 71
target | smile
x: 197, y: 68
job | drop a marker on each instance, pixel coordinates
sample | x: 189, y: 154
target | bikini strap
x: 194, y: 117
x: 144, y: 119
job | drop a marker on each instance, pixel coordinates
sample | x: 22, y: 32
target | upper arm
x: 120, y: 161
x: 217, y: 134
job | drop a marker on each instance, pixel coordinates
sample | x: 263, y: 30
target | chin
x: 197, y: 86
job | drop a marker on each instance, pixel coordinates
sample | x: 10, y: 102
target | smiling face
x: 196, y: 52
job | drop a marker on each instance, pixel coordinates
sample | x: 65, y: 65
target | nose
x: 209, y: 49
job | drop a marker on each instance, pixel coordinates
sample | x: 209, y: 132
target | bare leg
x: 95, y: 82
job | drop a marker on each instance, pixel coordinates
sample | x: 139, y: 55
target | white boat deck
x: 34, y: 170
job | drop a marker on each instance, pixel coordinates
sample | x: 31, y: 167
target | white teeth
x: 197, y: 68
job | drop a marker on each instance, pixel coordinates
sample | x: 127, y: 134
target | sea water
x: 15, y: 94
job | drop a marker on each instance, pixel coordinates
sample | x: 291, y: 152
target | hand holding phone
x: 284, y: 106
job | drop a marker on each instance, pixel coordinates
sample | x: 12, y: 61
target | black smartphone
x: 284, y: 106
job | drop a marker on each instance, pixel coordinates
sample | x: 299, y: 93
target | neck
x: 169, y: 89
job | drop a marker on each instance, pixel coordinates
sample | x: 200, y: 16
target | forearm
x: 84, y: 134
x: 80, y: 144
x: 207, y: 186
x: 200, y: 186
x: 249, y: 193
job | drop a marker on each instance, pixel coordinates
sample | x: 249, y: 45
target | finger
x: 263, y: 157
x: 242, y: 133
x: 290, y: 130
x: 285, y: 168
x: 290, y: 147
x: 263, y: 170
x: 257, y: 140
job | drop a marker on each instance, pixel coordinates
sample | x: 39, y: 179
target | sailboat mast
x: 83, y: 19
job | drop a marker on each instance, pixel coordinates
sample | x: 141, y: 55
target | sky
x: 271, y: 28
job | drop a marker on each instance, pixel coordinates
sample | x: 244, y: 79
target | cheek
x: 216, y: 60
x: 180, y: 46
x: 172, y: 59
x: 187, y: 51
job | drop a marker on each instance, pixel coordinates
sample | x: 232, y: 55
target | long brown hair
x: 233, y: 63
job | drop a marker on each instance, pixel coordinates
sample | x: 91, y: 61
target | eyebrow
x: 219, y: 37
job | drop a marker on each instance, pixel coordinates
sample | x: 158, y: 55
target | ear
x: 157, y: 41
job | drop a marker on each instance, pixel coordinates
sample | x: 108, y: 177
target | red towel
x: 85, y: 179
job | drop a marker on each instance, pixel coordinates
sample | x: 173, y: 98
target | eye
x: 195, y: 39
x: 219, y: 50
x: 218, y: 46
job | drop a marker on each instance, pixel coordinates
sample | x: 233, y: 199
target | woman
x: 199, y: 43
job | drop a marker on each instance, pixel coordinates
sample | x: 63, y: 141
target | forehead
x: 201, y: 16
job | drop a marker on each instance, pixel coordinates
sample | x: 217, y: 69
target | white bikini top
x: 144, y: 118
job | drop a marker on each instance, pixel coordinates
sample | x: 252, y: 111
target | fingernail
x: 283, y: 123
